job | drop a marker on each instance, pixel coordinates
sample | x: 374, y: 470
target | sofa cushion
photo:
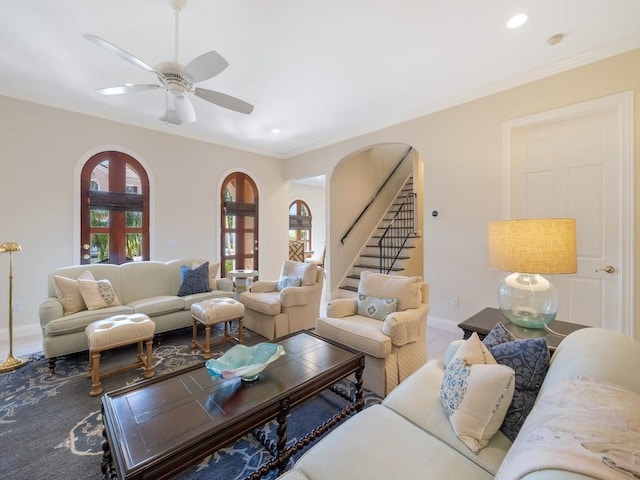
x: 194, y: 280
x: 267, y: 303
x: 529, y: 358
x: 405, y: 289
x: 155, y: 306
x: 417, y: 399
x: 305, y: 271
x: 97, y: 294
x: 375, y: 307
x: 476, y: 393
x: 371, y: 445
x: 68, y: 292
x: 359, y: 332
x: 77, y: 322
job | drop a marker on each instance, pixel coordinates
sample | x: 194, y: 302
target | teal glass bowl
x: 244, y: 362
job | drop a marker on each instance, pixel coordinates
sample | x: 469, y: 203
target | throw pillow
x: 285, y: 282
x: 498, y: 334
x: 213, y: 273
x: 406, y: 289
x: 529, y: 358
x: 374, y: 307
x: 475, y: 393
x: 305, y: 271
x: 97, y: 294
x: 68, y: 292
x: 194, y: 280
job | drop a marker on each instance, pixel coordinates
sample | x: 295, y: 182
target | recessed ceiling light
x: 517, y: 20
x: 275, y: 130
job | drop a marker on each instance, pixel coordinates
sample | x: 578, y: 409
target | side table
x: 483, y: 321
x: 241, y: 277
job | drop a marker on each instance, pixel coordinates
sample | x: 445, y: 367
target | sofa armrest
x: 404, y: 327
x: 264, y: 286
x: 50, y: 309
x: 342, y: 307
x: 224, y: 284
x: 293, y: 296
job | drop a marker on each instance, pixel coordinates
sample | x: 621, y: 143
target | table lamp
x: 531, y: 247
x: 11, y: 363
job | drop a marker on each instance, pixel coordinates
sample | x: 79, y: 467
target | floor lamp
x: 11, y: 363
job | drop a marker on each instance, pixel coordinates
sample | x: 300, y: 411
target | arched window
x: 300, y: 223
x: 114, y: 216
x: 239, y: 223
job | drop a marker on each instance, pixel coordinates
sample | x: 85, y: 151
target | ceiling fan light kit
x: 177, y: 79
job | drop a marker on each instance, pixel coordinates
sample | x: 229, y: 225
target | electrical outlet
x: 454, y: 302
x: 17, y: 306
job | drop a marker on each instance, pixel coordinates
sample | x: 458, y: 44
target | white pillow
x: 405, y: 289
x: 97, y: 294
x: 476, y: 393
x: 68, y: 292
x: 306, y: 272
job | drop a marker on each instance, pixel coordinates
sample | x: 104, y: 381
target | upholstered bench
x: 118, y: 331
x: 214, y: 311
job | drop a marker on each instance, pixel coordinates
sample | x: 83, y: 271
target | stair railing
x: 364, y: 210
x: 395, y: 237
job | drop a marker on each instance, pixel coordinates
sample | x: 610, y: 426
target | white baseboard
x: 20, y: 332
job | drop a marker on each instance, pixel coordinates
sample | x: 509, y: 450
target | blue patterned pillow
x: 529, y: 358
x: 374, y: 307
x: 194, y: 281
x: 288, y: 281
x: 498, y: 334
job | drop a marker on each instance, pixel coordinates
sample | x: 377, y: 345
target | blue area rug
x: 50, y: 428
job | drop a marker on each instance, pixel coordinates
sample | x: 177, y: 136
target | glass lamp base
x: 528, y: 300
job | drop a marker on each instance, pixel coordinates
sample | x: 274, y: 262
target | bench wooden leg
x: 148, y: 372
x: 94, y: 362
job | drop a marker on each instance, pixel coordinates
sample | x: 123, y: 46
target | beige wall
x: 461, y: 148
x: 42, y: 150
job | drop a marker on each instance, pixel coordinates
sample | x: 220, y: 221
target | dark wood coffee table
x: 162, y: 426
x: 483, y: 321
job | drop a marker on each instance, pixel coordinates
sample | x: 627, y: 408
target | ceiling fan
x: 177, y: 79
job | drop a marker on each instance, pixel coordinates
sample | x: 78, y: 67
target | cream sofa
x: 273, y: 312
x: 410, y: 436
x: 148, y: 287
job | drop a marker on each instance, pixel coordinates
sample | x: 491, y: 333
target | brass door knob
x: 607, y: 269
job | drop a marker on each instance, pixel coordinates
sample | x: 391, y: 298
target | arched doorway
x: 239, y: 223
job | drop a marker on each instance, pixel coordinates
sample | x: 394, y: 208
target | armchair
x: 388, y: 322
x: 274, y: 308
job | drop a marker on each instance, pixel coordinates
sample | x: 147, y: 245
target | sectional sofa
x: 584, y: 424
x: 149, y: 287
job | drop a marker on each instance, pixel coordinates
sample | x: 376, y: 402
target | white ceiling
x: 320, y: 71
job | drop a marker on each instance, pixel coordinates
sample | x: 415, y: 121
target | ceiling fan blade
x: 121, y: 53
x: 224, y: 100
x: 206, y: 66
x: 120, y: 89
x: 184, y: 108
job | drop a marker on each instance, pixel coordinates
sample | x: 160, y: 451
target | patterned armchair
x: 388, y: 322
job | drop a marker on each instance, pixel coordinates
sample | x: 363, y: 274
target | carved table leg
x: 358, y: 400
x: 283, y: 458
x: 107, y: 467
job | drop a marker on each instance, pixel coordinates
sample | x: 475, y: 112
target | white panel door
x: 573, y: 165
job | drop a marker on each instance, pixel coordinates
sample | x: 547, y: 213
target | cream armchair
x: 394, y: 343
x: 290, y: 304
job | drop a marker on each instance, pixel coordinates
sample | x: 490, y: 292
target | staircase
x: 397, y: 236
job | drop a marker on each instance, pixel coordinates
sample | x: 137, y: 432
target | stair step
x: 375, y: 267
x: 366, y: 255
x: 349, y: 287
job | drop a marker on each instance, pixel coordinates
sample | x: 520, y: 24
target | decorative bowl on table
x: 244, y: 362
